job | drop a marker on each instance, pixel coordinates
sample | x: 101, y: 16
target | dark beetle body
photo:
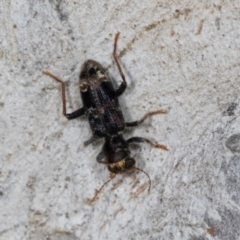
x: 100, y: 104
x: 100, y: 101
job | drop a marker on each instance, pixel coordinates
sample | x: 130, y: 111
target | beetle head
x: 117, y: 151
x: 92, y: 74
x: 122, y: 165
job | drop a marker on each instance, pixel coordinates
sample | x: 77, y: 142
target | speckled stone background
x: 182, y: 56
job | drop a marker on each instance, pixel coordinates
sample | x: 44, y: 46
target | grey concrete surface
x: 182, y: 56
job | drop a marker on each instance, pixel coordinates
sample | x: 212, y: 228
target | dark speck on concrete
x: 228, y: 227
x: 233, y: 143
x: 230, y: 109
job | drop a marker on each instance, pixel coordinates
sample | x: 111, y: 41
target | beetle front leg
x: 141, y: 140
x: 136, y: 123
x: 69, y: 116
x: 123, y: 85
x: 78, y: 113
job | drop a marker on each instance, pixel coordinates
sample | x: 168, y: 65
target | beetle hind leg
x: 149, y: 114
x: 141, y: 140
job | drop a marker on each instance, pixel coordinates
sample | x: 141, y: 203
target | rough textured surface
x: 182, y: 56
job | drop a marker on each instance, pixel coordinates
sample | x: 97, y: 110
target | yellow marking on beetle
x: 118, y: 165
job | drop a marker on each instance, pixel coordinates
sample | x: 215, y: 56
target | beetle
x: 101, y: 106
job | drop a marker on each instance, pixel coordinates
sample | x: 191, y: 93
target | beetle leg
x: 90, y: 141
x: 140, y: 140
x: 75, y: 114
x: 101, y: 158
x: 136, y: 123
x: 123, y: 85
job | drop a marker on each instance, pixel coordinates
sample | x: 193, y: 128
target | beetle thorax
x: 92, y: 74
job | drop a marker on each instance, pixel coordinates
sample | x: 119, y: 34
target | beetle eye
x: 129, y: 163
x: 91, y: 71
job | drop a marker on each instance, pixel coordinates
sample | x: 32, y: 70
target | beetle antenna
x: 150, y: 182
x: 98, y: 191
